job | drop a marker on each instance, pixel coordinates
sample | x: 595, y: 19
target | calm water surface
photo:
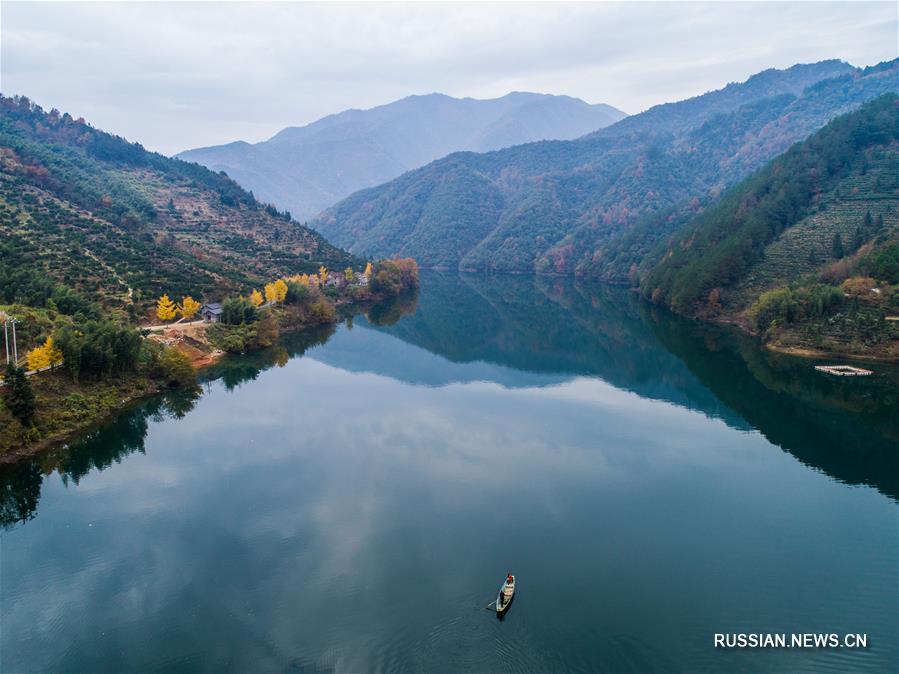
x: 351, y: 500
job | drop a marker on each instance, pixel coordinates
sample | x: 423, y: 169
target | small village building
x: 335, y: 280
x: 211, y: 312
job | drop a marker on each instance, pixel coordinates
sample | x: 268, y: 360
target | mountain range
x: 305, y: 169
x: 597, y: 205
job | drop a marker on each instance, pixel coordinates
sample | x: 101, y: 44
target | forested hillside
x: 597, y: 205
x: 309, y: 168
x: 81, y: 209
x: 807, y: 249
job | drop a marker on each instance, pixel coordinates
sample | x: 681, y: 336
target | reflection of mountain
x: 367, y: 350
x: 525, y: 331
x: 846, y: 427
x: 556, y: 328
x: 541, y: 331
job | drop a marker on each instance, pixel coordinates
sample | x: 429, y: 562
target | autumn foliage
x: 189, y: 307
x: 275, y: 292
x: 392, y: 277
x: 166, y: 309
x: 44, y: 356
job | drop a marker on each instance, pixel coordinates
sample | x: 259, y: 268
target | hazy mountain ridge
x: 568, y: 206
x: 308, y: 168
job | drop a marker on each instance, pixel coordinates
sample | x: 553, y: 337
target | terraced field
x: 807, y: 247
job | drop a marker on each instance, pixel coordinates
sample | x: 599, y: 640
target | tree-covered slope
x: 306, y: 169
x: 809, y: 245
x: 595, y: 206
x: 719, y: 247
x: 124, y: 225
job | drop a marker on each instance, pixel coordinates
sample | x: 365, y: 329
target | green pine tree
x: 837, y: 247
x: 17, y: 395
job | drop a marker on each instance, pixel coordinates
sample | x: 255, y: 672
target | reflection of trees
x: 235, y: 370
x: 20, y: 484
x: 390, y: 311
x: 848, y: 427
x: 551, y: 326
x: 20, y: 490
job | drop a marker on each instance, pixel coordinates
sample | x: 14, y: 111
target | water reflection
x: 846, y: 427
x: 527, y: 331
x: 349, y: 509
x: 235, y: 371
x: 20, y: 484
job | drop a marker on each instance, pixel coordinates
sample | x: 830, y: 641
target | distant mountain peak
x: 305, y: 169
x: 595, y: 205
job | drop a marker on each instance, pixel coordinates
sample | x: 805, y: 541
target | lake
x: 351, y: 500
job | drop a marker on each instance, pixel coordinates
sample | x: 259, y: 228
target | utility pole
x: 6, y: 337
x: 15, y: 351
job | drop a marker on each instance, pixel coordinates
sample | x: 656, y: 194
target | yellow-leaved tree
x: 256, y: 297
x: 323, y: 273
x: 189, y: 307
x: 368, y: 270
x: 165, y: 309
x: 44, y: 356
x: 271, y: 295
x: 280, y: 290
x: 348, y: 273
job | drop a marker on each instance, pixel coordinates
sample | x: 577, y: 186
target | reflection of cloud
x: 252, y: 526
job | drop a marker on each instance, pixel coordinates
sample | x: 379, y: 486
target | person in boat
x: 506, y: 590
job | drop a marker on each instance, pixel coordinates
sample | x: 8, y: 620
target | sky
x: 174, y: 76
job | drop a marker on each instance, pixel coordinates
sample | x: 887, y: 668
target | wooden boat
x: 505, y: 596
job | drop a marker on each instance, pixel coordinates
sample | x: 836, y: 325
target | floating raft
x: 843, y: 370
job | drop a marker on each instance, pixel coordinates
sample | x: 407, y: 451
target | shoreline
x: 188, y: 341
x: 737, y: 322
x: 192, y: 341
x: 811, y: 353
x: 62, y: 438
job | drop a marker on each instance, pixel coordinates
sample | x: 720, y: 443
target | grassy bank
x: 64, y: 408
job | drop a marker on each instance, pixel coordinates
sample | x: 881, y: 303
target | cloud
x: 180, y: 75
